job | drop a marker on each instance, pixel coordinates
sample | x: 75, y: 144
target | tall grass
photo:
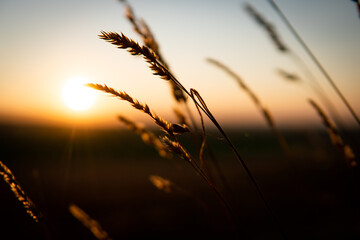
x: 91, y: 224
x: 151, y: 54
x: 314, y: 59
x: 19, y: 193
x: 123, y: 42
x: 334, y: 135
x: 256, y: 100
x: 172, y: 143
x: 168, y: 143
x: 284, y: 48
x: 147, y: 136
x: 140, y: 27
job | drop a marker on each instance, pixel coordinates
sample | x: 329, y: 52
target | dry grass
x: 19, y: 193
x: 158, y: 68
x: 148, y: 38
x: 314, y: 84
x: 269, y: 28
x: 150, y: 52
x: 268, y: 117
x: 89, y: 223
x: 147, y: 136
x: 292, y: 77
x: 181, y: 117
x: 170, y: 128
x: 314, y: 59
x: 123, y: 42
x: 168, y: 186
x: 162, y: 183
x: 173, y: 145
x: 334, y: 135
x: 170, y: 144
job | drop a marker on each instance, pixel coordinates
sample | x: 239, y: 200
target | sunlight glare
x: 76, y: 96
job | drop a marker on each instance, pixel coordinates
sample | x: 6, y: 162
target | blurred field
x: 106, y: 173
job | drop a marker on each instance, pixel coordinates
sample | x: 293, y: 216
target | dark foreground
x: 312, y: 194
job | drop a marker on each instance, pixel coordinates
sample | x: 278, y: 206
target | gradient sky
x: 45, y: 42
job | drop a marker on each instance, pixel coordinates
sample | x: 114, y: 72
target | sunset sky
x: 44, y: 43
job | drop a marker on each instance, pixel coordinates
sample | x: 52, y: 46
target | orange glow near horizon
x: 33, y: 73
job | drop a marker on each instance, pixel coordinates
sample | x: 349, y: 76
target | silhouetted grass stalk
x: 89, y: 223
x: 195, y: 95
x: 317, y: 88
x: 148, y: 38
x: 335, y: 136
x: 178, y: 149
x: 121, y: 41
x: 19, y: 193
x: 274, y: 36
x: 170, y: 128
x: 269, y: 119
x: 169, y: 187
x: 147, y: 136
x: 313, y: 57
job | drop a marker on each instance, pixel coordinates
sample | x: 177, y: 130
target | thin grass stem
x: 314, y: 58
x: 268, y: 118
x: 19, y: 193
x: 91, y: 224
x: 123, y: 42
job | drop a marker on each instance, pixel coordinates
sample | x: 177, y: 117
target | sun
x: 77, y: 96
